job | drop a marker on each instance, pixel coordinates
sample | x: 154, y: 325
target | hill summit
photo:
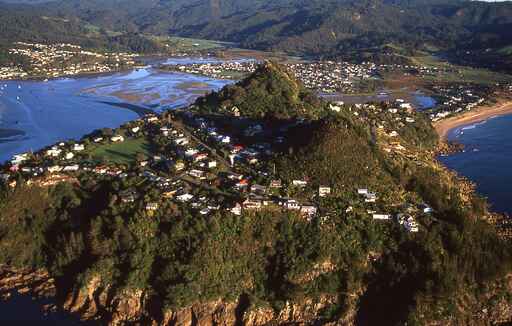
x: 271, y: 92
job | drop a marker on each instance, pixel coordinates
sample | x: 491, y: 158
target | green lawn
x: 122, y: 153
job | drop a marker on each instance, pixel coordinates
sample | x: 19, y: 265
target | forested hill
x: 321, y: 28
x: 270, y: 92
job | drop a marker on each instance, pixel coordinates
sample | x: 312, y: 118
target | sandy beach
x: 479, y: 114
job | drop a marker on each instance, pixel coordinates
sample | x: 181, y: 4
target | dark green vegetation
x: 30, y: 25
x: 270, y: 92
x: 269, y: 257
x: 356, y: 30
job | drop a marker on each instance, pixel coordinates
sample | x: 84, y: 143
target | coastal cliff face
x: 95, y: 302
x: 101, y: 303
x: 25, y: 281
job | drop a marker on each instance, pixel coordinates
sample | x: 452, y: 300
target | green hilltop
x: 271, y: 92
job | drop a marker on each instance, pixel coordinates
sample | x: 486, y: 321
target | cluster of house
x: 218, y: 70
x: 407, y: 221
x: 458, y: 98
x: 12, y: 72
x: 400, y: 111
x: 259, y: 198
x: 198, y: 156
x: 331, y: 76
x: 417, y: 70
x: 324, y: 76
x: 63, y: 59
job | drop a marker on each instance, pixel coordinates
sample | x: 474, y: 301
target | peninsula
x: 258, y: 204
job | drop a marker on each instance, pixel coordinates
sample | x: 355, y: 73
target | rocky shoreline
x: 96, y: 302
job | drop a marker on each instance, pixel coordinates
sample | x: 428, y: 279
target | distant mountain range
x: 310, y: 27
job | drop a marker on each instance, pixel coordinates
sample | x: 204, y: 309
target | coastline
x: 482, y: 113
x: 85, y: 74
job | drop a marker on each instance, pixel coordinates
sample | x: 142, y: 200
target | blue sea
x: 487, y: 159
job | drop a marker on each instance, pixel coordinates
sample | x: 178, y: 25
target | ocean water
x: 68, y: 108
x: 23, y: 310
x: 487, y: 159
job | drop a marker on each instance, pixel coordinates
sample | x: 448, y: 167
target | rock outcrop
x: 37, y: 283
x: 100, y: 302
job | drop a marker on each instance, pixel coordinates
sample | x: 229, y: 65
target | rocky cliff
x: 99, y: 302
x: 96, y: 302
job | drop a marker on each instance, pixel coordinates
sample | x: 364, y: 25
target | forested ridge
x: 338, y: 28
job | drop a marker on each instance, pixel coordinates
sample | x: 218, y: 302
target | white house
x: 55, y: 168
x: 78, y: 147
x: 237, y: 209
x: 71, y: 168
x: 117, y: 139
x: 53, y: 152
x: 299, y: 183
x: 181, y: 141
x: 324, y: 191
x: 184, y: 198
x: 151, y: 206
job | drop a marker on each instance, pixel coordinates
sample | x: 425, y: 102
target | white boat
x: 19, y: 86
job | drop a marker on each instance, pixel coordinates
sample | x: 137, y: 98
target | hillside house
x: 185, y: 197
x: 252, y: 204
x: 276, y: 184
x: 78, y: 147
x: 117, y: 139
x: 300, y: 183
x: 151, y: 207
x: 324, y: 191
x: 308, y: 210
x: 236, y: 210
x: 53, y: 152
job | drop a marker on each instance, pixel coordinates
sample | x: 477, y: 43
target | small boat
x: 19, y: 86
x: 18, y: 98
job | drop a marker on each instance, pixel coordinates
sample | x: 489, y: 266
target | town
x: 62, y: 59
x: 324, y: 76
x: 332, y: 78
x: 206, y: 165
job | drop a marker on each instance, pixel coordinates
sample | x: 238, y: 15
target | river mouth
x: 36, y: 114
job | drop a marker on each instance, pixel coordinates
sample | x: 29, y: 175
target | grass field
x: 188, y: 44
x: 122, y: 153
